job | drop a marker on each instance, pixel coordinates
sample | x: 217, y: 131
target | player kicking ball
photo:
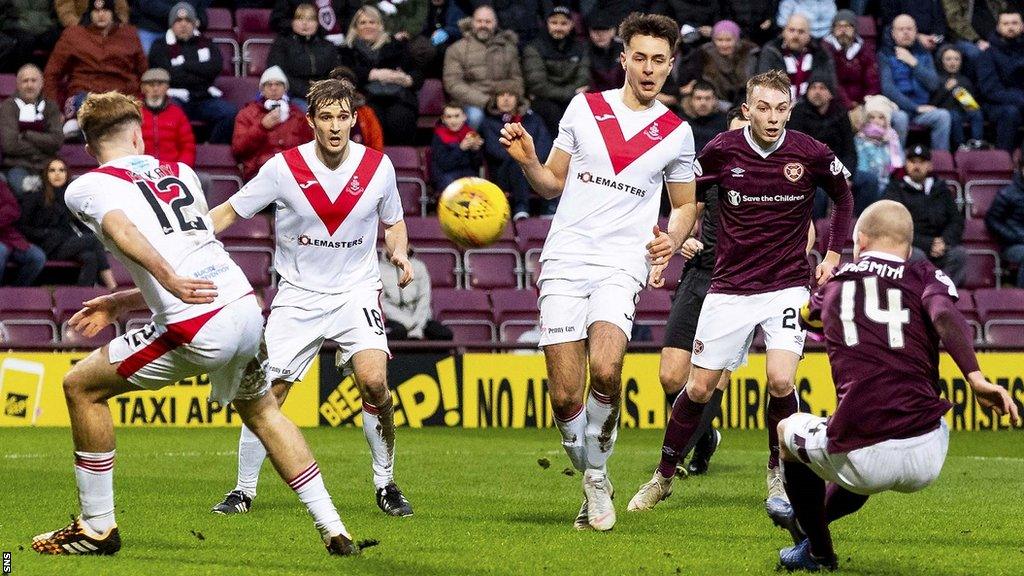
x: 614, y: 152
x: 767, y: 177
x: 205, y: 320
x: 331, y: 195
x: 883, y: 318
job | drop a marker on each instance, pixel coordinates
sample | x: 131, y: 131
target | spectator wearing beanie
x: 194, y: 63
x: 856, y: 64
x: 69, y: 12
x: 150, y: 17
x: 606, y: 71
x: 878, y: 145
x: 269, y: 125
x: 726, y: 63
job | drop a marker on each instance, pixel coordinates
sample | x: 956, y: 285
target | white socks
x: 573, y: 431
x: 602, y: 429
x: 251, y: 454
x: 94, y: 474
x: 309, y: 485
x: 379, y: 428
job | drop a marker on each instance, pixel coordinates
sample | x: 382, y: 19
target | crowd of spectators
x: 869, y: 79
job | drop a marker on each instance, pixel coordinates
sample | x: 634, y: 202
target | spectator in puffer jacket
x: 474, y: 65
x: 150, y: 18
x: 269, y: 125
x: 556, y: 67
x: 455, y: 149
x: 303, y: 54
x: 194, y: 63
x: 165, y: 128
x: 1005, y: 221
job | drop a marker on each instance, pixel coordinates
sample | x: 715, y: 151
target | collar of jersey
x: 882, y: 256
x: 763, y: 152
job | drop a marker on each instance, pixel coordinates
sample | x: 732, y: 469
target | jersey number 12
x: 893, y: 316
x: 156, y: 194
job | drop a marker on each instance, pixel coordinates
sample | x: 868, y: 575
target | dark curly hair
x: 654, y: 25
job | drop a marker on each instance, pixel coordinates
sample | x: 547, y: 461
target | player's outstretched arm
x: 223, y: 216
x: 953, y: 330
x: 396, y: 240
x: 134, y: 245
x: 548, y: 179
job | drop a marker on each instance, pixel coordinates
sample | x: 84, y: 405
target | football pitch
x: 485, y: 505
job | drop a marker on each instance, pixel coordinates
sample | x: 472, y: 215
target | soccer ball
x: 473, y: 212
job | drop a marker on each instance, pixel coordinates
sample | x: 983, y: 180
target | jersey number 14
x: 174, y: 193
x: 893, y: 316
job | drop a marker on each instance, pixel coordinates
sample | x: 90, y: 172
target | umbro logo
x: 307, y: 184
x: 604, y: 117
x: 737, y: 172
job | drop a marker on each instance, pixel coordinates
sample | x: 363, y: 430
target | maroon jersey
x: 765, y: 203
x: 883, y: 349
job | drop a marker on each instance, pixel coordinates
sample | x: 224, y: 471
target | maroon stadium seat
x: 78, y: 160
x: 257, y: 264
x: 515, y: 312
x: 867, y: 30
x: 965, y: 304
x: 8, y: 85
x: 466, y: 312
x: 426, y: 233
x: 976, y: 235
x: 67, y: 301
x: 652, y: 311
x: 26, y: 316
x: 1002, y: 303
x: 412, y: 177
x: 216, y: 159
x: 1005, y: 331
x: 443, y: 264
x: 431, y: 103
x: 531, y: 266
x: 230, y: 52
x: 254, y: 56
x: 981, y: 194
x: 943, y: 165
x: 121, y: 275
x: 488, y: 268
x: 220, y: 19
x: 222, y: 187
x: 531, y: 232
x: 982, y: 268
x: 255, y: 231
x: 984, y: 164
x: 239, y: 90
x: 253, y: 21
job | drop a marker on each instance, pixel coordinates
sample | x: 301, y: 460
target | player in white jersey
x: 331, y: 195
x: 205, y: 320
x: 614, y: 152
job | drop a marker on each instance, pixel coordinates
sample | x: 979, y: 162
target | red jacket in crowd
x: 86, y: 60
x: 856, y: 70
x: 253, y: 145
x: 168, y: 134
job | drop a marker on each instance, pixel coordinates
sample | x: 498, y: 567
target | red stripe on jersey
x: 177, y: 334
x: 624, y: 152
x: 332, y: 214
x: 166, y: 169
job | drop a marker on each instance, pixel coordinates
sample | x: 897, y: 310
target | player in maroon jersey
x: 767, y: 177
x: 883, y: 318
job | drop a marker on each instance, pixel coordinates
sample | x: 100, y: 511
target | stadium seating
x: 256, y: 262
x: 1002, y: 312
x: 26, y: 316
x: 253, y: 21
x: 983, y: 267
x: 412, y: 178
x: 216, y: 159
x: 965, y: 304
x: 531, y: 233
x: 984, y: 164
x: 488, y: 268
x: 515, y: 312
x: 652, y: 310
x: 121, y: 275
x: 255, y: 231
x: 981, y: 193
x: 426, y: 233
x: 444, y: 266
x: 254, y: 56
x: 673, y: 272
x: 8, y: 85
x: 220, y: 20
x: 78, y: 160
x: 466, y: 312
x: 531, y: 265
x: 231, y: 53
x: 431, y: 103
x: 238, y: 90
x: 867, y: 30
x: 222, y: 187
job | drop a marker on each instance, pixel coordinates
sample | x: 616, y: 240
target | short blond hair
x: 887, y: 221
x: 772, y: 79
x: 102, y: 115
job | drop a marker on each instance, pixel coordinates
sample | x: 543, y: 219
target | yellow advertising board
x: 32, y: 394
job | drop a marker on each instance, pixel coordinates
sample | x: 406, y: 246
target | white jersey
x: 326, y: 220
x: 167, y: 205
x: 620, y: 159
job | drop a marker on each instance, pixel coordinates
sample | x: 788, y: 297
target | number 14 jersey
x: 167, y: 205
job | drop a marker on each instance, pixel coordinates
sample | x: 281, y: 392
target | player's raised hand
x: 95, y: 315
x: 655, y: 278
x: 401, y: 262
x: 691, y: 247
x: 661, y: 249
x: 994, y: 397
x: 827, y: 267
x: 191, y: 290
x: 518, y: 142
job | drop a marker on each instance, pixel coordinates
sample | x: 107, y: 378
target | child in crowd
x: 878, y: 145
x: 455, y: 149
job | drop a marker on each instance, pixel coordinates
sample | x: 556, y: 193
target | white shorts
x: 221, y: 343
x: 575, y: 295
x: 300, y: 320
x: 726, y: 326
x: 904, y: 465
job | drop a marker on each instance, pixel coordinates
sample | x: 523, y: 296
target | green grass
x: 485, y: 506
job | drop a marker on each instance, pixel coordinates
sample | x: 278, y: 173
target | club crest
x: 793, y: 171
